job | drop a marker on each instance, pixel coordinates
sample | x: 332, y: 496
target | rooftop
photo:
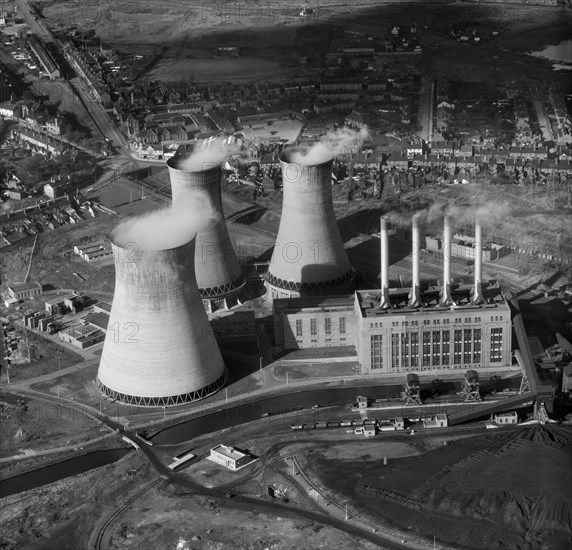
x: 60, y: 299
x: 318, y: 303
x: 104, y: 305
x: 399, y: 297
x: 82, y: 333
x: 99, y: 320
x: 20, y: 287
x: 228, y: 452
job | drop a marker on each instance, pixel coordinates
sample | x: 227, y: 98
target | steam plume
x: 207, y: 155
x: 332, y: 144
x: 166, y: 228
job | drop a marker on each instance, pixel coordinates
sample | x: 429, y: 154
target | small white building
x: 399, y: 423
x: 506, y: 418
x: 229, y: 457
x: 438, y: 421
x: 361, y: 402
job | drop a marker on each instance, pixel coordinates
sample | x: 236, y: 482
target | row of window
x: 436, y: 348
x: 329, y: 327
x: 457, y: 321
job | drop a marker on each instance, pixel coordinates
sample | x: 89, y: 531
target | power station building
x: 450, y: 326
x: 159, y: 347
x: 218, y: 273
x: 309, y: 258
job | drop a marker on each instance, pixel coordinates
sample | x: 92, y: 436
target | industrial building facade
x: 401, y: 339
x: 314, y: 322
x: 434, y: 337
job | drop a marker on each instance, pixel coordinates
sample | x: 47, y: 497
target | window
x: 457, y: 346
x: 328, y: 326
x: 477, y: 345
x: 414, y: 349
x: 299, y: 331
x: 496, y: 345
x: 468, y: 345
x: 405, y: 357
x: 436, y: 347
x: 342, y: 325
x: 446, y: 348
x: 426, y: 349
x: 395, y: 351
x: 313, y: 327
x: 376, y: 351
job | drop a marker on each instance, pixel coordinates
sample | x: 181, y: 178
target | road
x: 100, y: 117
x: 36, y: 26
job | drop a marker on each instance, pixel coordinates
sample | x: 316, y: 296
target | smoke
x: 332, y: 144
x: 493, y: 215
x: 166, y: 228
x: 207, y: 155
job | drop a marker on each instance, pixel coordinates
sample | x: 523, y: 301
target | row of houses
x: 84, y: 70
x: 474, y: 163
x: 48, y: 63
x: 456, y: 149
x: 38, y: 141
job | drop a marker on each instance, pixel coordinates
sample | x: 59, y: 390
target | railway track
x: 99, y: 542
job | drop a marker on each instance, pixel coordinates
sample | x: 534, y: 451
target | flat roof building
x: 98, y: 320
x: 56, y: 304
x: 313, y: 322
x: 82, y: 336
x: 104, y: 307
x: 401, y: 338
x: 229, y: 457
x: 506, y: 418
x: 20, y: 291
x: 440, y: 420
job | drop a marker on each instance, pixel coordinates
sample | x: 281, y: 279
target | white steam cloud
x: 207, y: 155
x: 166, y: 228
x: 332, y: 144
x: 492, y: 215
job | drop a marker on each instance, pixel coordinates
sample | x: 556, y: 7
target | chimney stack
x: 446, y: 297
x: 415, y: 294
x: 383, y: 236
x: 478, y: 288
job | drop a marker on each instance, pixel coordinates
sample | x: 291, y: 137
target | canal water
x: 211, y: 422
x: 60, y: 470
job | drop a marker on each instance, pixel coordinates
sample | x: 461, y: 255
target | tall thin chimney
x: 446, y: 297
x: 415, y: 294
x: 383, y: 237
x: 478, y: 288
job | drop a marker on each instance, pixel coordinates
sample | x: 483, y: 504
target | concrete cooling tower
x: 309, y: 257
x: 159, y: 348
x: 219, y: 277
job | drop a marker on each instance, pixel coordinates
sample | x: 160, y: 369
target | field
x: 46, y: 356
x: 31, y: 426
x: 180, y: 39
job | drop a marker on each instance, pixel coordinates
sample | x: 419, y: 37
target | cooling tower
x: 159, y: 348
x: 309, y: 258
x: 218, y: 273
